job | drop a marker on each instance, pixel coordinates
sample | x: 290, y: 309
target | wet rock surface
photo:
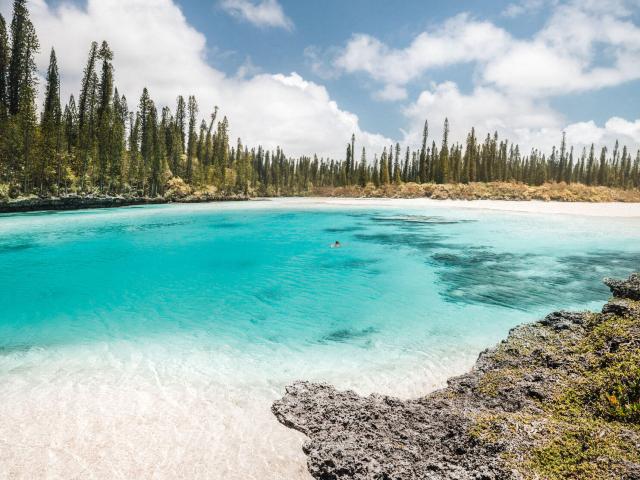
x: 508, y: 418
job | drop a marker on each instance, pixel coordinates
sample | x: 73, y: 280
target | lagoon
x: 151, y: 341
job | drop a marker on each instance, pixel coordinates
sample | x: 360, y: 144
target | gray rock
x: 380, y: 437
x: 629, y: 288
x: 563, y: 320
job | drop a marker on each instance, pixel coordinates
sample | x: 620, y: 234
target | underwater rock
x: 520, y: 413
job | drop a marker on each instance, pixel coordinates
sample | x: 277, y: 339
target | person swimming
x: 336, y: 244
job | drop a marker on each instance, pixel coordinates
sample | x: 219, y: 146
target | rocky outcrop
x: 629, y: 288
x: 77, y: 202
x: 559, y: 398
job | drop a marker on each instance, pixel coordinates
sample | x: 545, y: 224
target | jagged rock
x: 379, y: 437
x: 563, y: 320
x: 629, y: 288
x: 473, y: 428
x: 621, y: 307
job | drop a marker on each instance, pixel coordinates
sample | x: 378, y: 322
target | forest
x: 101, y: 143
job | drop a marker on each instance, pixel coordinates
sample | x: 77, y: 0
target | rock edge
x: 449, y: 434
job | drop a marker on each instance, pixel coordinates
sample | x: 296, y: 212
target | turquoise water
x: 174, y: 327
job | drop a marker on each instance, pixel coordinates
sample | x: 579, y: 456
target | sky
x: 306, y: 74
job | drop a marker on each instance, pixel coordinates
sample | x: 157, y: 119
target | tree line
x: 98, y: 143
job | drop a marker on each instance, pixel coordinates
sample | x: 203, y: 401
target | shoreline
x: 78, y: 202
x: 86, y: 202
x: 556, y: 399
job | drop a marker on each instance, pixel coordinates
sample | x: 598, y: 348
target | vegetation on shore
x: 560, y: 192
x: 585, y: 418
x: 100, y: 144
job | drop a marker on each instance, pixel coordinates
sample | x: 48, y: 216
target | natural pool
x: 151, y: 341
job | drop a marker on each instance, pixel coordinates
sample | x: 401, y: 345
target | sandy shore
x: 612, y: 209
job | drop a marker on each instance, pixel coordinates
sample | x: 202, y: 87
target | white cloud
x: 584, y: 45
x: 459, y: 40
x: 155, y: 46
x: 264, y: 13
x: 391, y: 92
x: 567, y: 54
x: 486, y: 109
x: 529, y: 123
x: 523, y: 7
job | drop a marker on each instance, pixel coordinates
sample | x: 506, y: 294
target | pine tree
x: 191, y: 144
x: 423, y: 153
x: 117, y: 144
x: 155, y: 152
x: 146, y: 140
x: 397, y: 175
x: 602, y: 170
x: 443, y: 171
x: 4, y: 102
x: 26, y: 118
x: 353, y: 163
x: 23, y: 47
x: 591, y: 166
x: 4, y: 66
x: 51, y: 125
x: 86, y: 113
x: 362, y: 173
x: 105, y: 96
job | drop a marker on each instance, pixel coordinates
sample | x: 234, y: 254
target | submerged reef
x: 558, y: 399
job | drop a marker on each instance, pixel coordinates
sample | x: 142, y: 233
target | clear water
x: 151, y: 341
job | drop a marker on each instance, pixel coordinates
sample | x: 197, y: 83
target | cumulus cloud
x: 523, y: 7
x: 391, y: 92
x: 584, y: 45
x: 486, y: 109
x: 458, y: 40
x: 265, y: 13
x: 528, y: 122
x: 167, y: 55
x: 564, y: 56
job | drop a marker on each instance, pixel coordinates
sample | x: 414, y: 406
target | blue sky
x: 323, y: 25
x: 329, y: 24
x: 305, y: 74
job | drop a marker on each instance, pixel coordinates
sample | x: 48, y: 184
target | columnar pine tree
x: 105, y: 98
x: 86, y: 113
x: 191, y: 144
x: 50, y: 128
x: 4, y: 67
x: 423, y: 153
x: 4, y: 104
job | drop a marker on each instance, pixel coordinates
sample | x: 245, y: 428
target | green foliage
x: 586, y: 423
x: 582, y: 449
x: 98, y: 145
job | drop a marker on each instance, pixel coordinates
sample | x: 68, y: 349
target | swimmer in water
x: 336, y: 244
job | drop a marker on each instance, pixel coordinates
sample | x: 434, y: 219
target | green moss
x: 583, y: 449
x: 588, y: 426
x: 493, y: 382
x: 618, y: 330
x: 488, y: 428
